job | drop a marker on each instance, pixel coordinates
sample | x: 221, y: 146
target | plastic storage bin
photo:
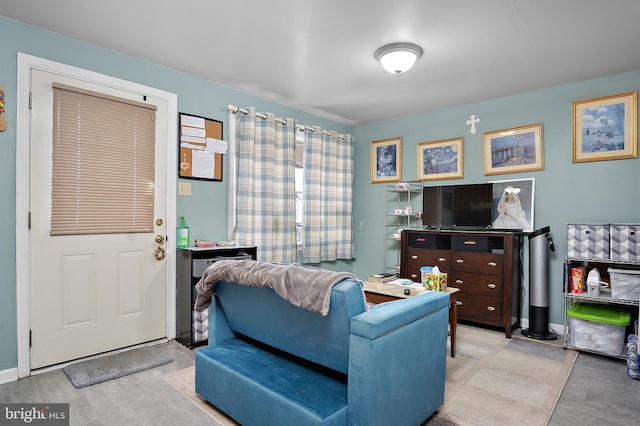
x: 598, y: 328
x: 625, y: 284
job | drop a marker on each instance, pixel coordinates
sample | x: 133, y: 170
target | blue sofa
x: 269, y: 362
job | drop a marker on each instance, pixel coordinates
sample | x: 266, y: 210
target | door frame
x: 23, y: 143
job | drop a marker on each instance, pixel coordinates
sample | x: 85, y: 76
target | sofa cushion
x: 261, y: 314
x: 263, y: 386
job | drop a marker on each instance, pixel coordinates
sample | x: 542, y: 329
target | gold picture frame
x: 438, y: 160
x: 386, y: 160
x: 514, y: 150
x: 605, y: 128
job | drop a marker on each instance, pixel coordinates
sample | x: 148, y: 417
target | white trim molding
x: 8, y: 376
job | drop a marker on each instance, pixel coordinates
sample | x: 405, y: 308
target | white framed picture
x: 513, y: 204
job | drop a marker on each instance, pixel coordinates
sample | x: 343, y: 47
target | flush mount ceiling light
x: 397, y: 58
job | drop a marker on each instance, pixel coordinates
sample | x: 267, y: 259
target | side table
x: 384, y: 292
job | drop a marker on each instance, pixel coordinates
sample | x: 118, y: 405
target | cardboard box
x: 434, y: 282
x: 577, y: 280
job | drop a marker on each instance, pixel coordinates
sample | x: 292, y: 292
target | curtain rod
x: 234, y: 109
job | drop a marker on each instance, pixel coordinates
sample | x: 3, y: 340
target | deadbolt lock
x: 159, y: 222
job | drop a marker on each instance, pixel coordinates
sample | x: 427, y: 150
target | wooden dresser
x: 485, y: 265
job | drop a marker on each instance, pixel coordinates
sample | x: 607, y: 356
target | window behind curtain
x: 103, y: 163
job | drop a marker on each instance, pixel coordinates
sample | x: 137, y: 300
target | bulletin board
x: 201, y: 148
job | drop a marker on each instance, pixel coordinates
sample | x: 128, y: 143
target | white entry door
x: 90, y: 293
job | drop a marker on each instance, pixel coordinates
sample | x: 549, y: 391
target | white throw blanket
x: 308, y: 288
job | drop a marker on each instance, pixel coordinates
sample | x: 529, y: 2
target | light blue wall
x: 205, y: 211
x: 595, y: 192
x: 565, y: 192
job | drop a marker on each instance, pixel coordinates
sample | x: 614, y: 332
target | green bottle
x: 182, y: 237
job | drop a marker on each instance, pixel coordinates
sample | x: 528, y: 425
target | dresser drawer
x: 422, y: 240
x: 482, y: 284
x: 470, y: 243
x: 417, y: 258
x: 480, y: 263
x: 483, y: 309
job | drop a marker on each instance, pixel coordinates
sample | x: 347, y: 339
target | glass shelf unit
x: 403, y: 210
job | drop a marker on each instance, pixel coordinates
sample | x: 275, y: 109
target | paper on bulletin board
x: 203, y: 164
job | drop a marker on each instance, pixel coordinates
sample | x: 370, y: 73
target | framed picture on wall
x: 386, y: 160
x: 513, y: 204
x: 440, y: 159
x: 519, y: 149
x: 605, y: 128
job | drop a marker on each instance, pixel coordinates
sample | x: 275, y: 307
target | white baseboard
x: 7, y: 376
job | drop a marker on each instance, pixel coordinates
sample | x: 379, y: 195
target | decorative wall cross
x: 472, y: 121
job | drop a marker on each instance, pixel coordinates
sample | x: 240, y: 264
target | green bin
x: 598, y: 328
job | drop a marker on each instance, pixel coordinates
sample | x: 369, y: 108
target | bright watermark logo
x: 34, y: 414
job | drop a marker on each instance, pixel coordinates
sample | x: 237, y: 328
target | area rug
x: 491, y: 381
x: 108, y: 367
x: 498, y: 381
x: 184, y: 382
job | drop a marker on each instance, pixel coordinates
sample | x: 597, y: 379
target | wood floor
x: 598, y: 392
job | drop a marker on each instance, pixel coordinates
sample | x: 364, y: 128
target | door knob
x: 159, y: 239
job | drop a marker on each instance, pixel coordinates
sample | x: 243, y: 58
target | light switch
x: 184, y: 188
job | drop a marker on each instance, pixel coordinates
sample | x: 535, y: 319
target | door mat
x: 98, y: 370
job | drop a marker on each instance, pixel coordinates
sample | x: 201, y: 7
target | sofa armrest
x: 219, y: 329
x: 388, y: 316
x: 397, y: 361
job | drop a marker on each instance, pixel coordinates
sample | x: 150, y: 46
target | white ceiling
x: 317, y: 56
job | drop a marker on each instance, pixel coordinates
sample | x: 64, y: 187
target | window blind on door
x: 103, y: 163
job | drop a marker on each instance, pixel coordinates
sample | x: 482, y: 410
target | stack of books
x: 381, y: 278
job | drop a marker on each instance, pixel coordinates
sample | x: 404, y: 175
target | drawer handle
x: 491, y: 308
x: 459, y: 260
x: 459, y: 281
x: 492, y: 286
x: 414, y: 257
x: 441, y: 259
x: 492, y: 264
x: 458, y: 303
x: 470, y: 243
x: 414, y: 276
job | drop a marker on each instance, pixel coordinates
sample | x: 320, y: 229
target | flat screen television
x: 467, y: 206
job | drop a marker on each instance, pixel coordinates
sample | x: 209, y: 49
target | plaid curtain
x: 266, y: 211
x: 328, y: 197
